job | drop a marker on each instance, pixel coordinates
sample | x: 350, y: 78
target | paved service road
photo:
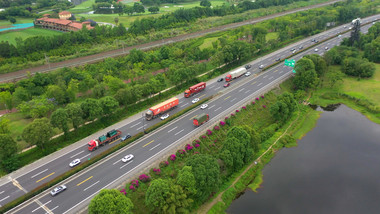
x: 119, y: 52
x: 84, y: 185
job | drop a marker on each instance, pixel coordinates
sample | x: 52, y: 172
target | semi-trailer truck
x: 161, y: 108
x: 200, y: 119
x: 235, y: 74
x: 104, y: 139
x: 195, y: 89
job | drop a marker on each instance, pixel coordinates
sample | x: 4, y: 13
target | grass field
x: 208, y: 42
x: 126, y: 20
x: 273, y: 35
x: 83, y: 7
x: 11, y: 36
x: 18, y: 21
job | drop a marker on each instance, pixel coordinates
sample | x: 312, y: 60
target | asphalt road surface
x: 122, y: 51
x: 83, y: 186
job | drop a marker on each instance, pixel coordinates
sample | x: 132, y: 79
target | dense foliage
x: 110, y: 201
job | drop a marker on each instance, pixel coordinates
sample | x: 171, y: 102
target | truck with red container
x: 161, y: 108
x: 235, y: 74
x: 200, y: 119
x: 195, y: 89
x: 104, y: 139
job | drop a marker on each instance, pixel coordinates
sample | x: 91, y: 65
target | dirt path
x: 17, y: 75
x: 207, y: 206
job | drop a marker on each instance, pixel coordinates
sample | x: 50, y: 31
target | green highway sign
x: 294, y: 71
x: 290, y: 63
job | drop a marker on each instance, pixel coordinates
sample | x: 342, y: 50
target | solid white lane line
x: 247, y: 91
x: 265, y: 76
x: 260, y: 84
x: 179, y: 132
x: 126, y: 164
x: 211, y: 107
x: 172, y: 129
x: 270, y: 78
x: 135, y: 125
x: 217, y: 109
x: 233, y: 99
x: 154, y: 147
x: 77, y: 154
x: 40, y: 206
x: 91, y: 186
x: 39, y: 173
x: 4, y: 198
x: 85, y: 156
x: 241, y: 89
x: 184, y: 105
x: 1, y: 192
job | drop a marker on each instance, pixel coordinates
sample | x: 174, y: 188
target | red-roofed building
x: 64, y: 15
x: 61, y: 24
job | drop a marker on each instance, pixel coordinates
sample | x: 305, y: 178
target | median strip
x: 85, y: 180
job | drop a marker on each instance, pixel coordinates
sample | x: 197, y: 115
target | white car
x: 195, y: 100
x: 247, y: 74
x: 326, y: 48
x: 203, y: 106
x: 163, y: 117
x: 57, y: 190
x: 74, y: 162
x: 350, y: 28
x: 294, y: 51
x: 261, y: 66
x: 340, y: 36
x: 316, y: 50
x: 127, y: 158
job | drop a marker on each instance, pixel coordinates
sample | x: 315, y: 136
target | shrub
x: 135, y: 183
x: 262, y: 96
x: 217, y: 127
x: 264, y: 106
x: 244, y: 107
x: 232, y: 115
x: 132, y: 188
x: 197, y: 145
x: 123, y: 192
x: 157, y: 171
x: 237, y: 111
x: 257, y: 98
x: 203, y: 136
x: 188, y: 147
x: 144, y: 178
x: 173, y: 157
x: 253, y: 103
x: 209, y: 132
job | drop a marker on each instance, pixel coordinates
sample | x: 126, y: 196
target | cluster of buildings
x: 62, y: 24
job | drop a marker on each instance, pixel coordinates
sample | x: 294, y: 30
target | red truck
x: 200, y: 119
x: 104, y: 139
x: 195, y: 89
x: 161, y: 108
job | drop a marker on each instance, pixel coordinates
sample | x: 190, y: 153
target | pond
x: 334, y: 169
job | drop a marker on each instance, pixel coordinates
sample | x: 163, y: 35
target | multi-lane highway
x: 86, y: 184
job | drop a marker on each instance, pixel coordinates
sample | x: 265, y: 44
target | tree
x: 319, y: 63
x: 99, y: 90
x: 186, y: 179
x: 205, y: 3
x: 20, y: 95
x: 304, y: 64
x: 244, y: 139
x: 334, y: 77
x: 116, y: 20
x: 56, y: 93
x: 154, y: 9
x: 8, y: 146
x: 177, y: 201
x: 138, y: 8
x: 306, y: 76
x: 38, y: 133
x: 59, y: 119
x: 6, y: 99
x: 12, y: 19
x: 128, y: 10
x: 156, y: 194
x: 91, y: 109
x: 4, y: 126
x: 358, y: 67
x: 109, y: 104
x: 75, y: 113
x: 206, y: 172
x: 110, y: 201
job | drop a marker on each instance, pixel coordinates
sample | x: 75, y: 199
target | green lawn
x: 273, y: 35
x: 17, y: 125
x: 18, y: 21
x: 208, y: 42
x: 11, y: 36
x: 126, y: 20
x: 85, y: 6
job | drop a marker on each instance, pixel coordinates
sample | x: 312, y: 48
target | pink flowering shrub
x: 195, y: 153
x: 188, y: 147
x: 222, y: 123
x: 164, y: 164
x: 262, y: 96
x: 257, y: 98
x: 244, y: 107
x: 157, y: 171
x: 197, y: 141
x: 217, y: 127
x: 123, y: 191
x: 264, y: 106
x: 135, y: 183
x: 197, y: 145
x: 132, y: 188
x: 144, y: 178
x: 181, y: 153
x: 173, y: 157
x: 225, y: 118
x: 215, y: 141
x: 253, y: 103
x: 237, y: 110
x: 203, y: 136
x: 232, y: 115
x: 209, y: 132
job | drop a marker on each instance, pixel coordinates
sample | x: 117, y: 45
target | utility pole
x: 47, y: 60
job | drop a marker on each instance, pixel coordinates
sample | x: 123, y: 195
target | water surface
x: 334, y: 169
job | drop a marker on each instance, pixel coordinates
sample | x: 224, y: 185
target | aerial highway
x: 106, y: 173
x: 122, y: 51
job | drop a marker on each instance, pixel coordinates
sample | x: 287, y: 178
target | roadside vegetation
x: 180, y: 22
x: 70, y: 97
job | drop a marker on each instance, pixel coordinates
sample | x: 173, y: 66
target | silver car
x: 74, y: 162
x: 127, y: 158
x: 195, y: 100
x: 57, y: 190
x: 261, y: 66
